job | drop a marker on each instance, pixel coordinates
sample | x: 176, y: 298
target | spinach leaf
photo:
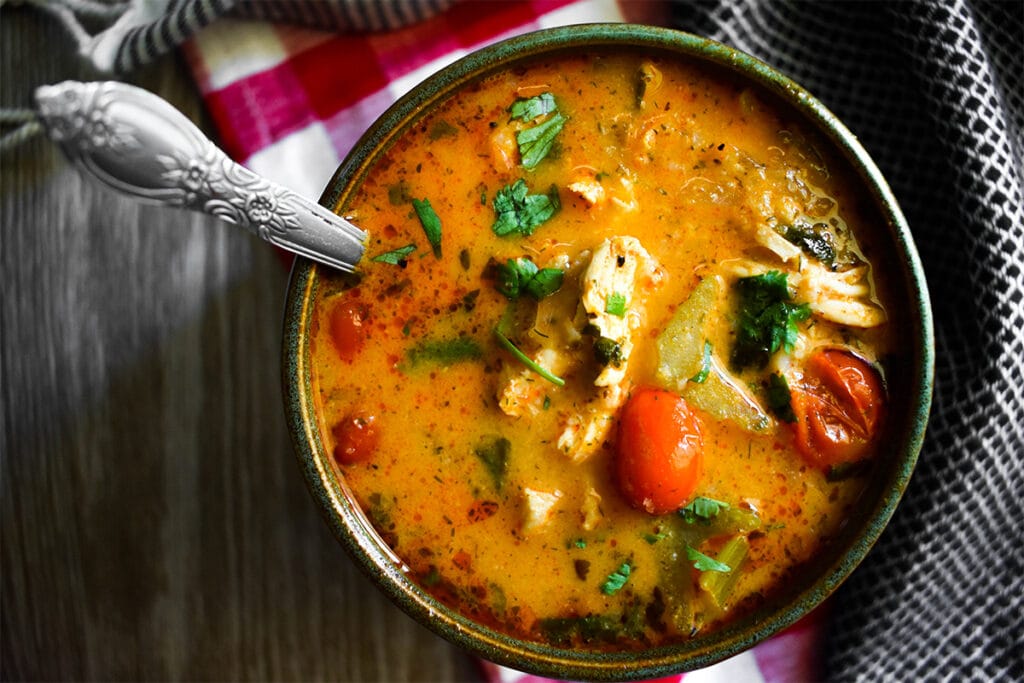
x: 493, y: 452
x: 430, y: 222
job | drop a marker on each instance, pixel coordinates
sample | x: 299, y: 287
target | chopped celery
x: 719, y: 585
x: 681, y: 347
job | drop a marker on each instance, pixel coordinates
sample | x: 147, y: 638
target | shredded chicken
x: 521, y: 390
x: 842, y: 296
x: 538, y: 506
x: 620, y: 268
x: 585, y: 431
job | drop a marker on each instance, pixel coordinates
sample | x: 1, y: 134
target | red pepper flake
x: 462, y: 560
x: 481, y: 510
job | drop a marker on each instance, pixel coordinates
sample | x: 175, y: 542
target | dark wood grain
x: 155, y: 525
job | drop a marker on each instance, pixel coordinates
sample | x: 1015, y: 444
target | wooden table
x: 155, y: 524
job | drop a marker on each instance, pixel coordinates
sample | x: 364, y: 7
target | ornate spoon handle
x: 139, y: 144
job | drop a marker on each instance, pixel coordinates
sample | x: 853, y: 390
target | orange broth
x: 690, y: 167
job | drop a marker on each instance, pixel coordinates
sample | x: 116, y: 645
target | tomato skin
x: 355, y: 438
x: 839, y: 405
x: 660, y: 451
x: 346, y: 321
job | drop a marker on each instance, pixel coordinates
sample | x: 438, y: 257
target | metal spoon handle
x: 138, y: 143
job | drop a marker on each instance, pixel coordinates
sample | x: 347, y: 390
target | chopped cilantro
x: 580, y: 543
x: 528, y: 109
x: 779, y: 400
x: 615, y: 304
x: 617, y: 579
x: 767, y: 319
x: 444, y: 351
x: 547, y: 402
x: 705, y: 365
x: 535, y: 143
x: 395, y: 257
x: 519, y: 212
x: 493, y: 452
x: 521, y: 275
x: 703, y: 563
x: 654, y: 538
x: 430, y: 222
x: 702, y: 509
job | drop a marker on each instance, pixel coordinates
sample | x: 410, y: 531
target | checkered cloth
x: 934, y: 92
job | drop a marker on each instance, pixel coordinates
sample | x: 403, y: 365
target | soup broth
x: 609, y: 372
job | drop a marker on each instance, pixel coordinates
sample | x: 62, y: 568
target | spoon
x: 139, y: 144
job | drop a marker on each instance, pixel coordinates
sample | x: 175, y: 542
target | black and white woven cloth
x: 934, y: 92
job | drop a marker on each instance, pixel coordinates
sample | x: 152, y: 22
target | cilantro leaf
x: 705, y: 365
x: 518, y: 276
x: 493, y: 452
x: 535, y: 143
x: 767, y: 319
x: 702, y: 509
x: 528, y: 109
x: 395, y: 257
x: 617, y: 579
x: 779, y: 399
x: 704, y: 563
x: 519, y: 212
x: 430, y: 222
x: 615, y: 304
x: 607, y: 351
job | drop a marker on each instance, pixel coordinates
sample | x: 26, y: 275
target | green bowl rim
x: 384, y: 567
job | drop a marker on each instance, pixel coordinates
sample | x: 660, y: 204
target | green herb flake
x: 702, y: 509
x: 779, y: 398
x: 702, y: 562
x: 430, y: 222
x: 547, y: 402
x: 767, y: 319
x: 705, y: 365
x: 580, y: 543
x: 398, y: 194
x: 396, y: 257
x: 494, y: 453
x: 615, y: 304
x: 444, y: 351
x: 535, y: 143
x: 617, y: 579
x: 528, y: 109
x: 521, y: 213
x: 654, y: 538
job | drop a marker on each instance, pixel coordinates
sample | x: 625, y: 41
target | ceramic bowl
x: 910, y: 385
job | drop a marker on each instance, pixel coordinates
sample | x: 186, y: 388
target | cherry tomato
x: 839, y: 406
x: 346, y: 326
x: 355, y: 438
x: 660, y: 451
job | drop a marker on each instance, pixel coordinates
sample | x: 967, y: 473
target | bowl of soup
x: 636, y: 366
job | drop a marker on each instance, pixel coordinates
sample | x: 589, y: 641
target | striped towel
x: 290, y: 102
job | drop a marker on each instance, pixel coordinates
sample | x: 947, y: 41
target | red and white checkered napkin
x: 290, y: 103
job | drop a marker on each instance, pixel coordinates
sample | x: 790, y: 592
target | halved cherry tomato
x: 355, y: 438
x: 346, y: 327
x: 839, y: 405
x: 660, y: 451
